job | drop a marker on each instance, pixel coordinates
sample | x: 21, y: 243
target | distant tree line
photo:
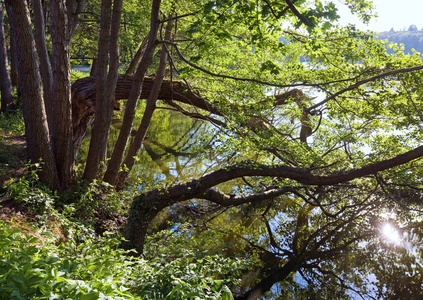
x: 411, y: 39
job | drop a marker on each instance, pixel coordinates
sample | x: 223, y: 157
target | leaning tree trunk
x: 135, y: 146
x: 36, y: 129
x: 172, y: 91
x: 128, y: 119
x: 84, y: 100
x: 5, y: 84
x: 146, y: 206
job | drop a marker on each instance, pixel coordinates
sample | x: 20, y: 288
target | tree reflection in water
x: 309, y: 242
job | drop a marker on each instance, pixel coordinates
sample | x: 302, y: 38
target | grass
x: 11, y: 123
x: 75, y: 75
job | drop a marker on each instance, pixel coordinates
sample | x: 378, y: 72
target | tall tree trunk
x: 135, y: 147
x: 45, y: 65
x: 5, y: 84
x: 128, y: 119
x: 13, y: 53
x: 94, y: 157
x: 106, y: 86
x: 36, y: 128
x: 61, y: 93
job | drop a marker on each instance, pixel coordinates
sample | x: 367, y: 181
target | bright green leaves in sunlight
x: 271, y: 67
x: 35, y: 268
x: 364, y: 9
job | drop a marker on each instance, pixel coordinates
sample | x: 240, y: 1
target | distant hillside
x: 411, y: 38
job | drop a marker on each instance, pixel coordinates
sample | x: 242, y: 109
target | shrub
x: 30, y: 192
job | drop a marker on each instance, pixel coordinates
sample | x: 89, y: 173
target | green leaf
x: 226, y: 293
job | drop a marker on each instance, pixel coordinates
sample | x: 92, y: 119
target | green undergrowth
x: 75, y: 74
x: 87, y: 202
x: 58, y: 254
x: 12, y: 123
x: 34, y: 265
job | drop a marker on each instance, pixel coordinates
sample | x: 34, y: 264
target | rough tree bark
x: 45, y: 65
x: 61, y: 93
x: 96, y: 150
x: 37, y: 132
x: 5, y: 84
x: 106, y: 85
x: 74, y: 8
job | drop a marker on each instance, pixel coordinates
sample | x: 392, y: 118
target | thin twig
x: 362, y: 82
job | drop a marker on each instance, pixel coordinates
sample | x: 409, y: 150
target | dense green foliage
x: 60, y: 256
x: 34, y: 267
x: 12, y: 123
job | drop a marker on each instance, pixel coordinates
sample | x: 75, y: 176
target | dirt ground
x: 13, y: 157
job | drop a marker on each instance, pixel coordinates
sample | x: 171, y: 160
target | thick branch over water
x: 84, y: 98
x: 146, y: 206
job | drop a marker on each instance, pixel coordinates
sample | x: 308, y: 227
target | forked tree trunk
x: 5, y: 84
x: 137, y: 57
x: 74, y: 8
x: 36, y: 128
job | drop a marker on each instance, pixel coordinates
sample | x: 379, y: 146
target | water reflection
x: 177, y: 148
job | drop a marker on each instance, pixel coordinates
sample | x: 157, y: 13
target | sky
x: 397, y: 14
